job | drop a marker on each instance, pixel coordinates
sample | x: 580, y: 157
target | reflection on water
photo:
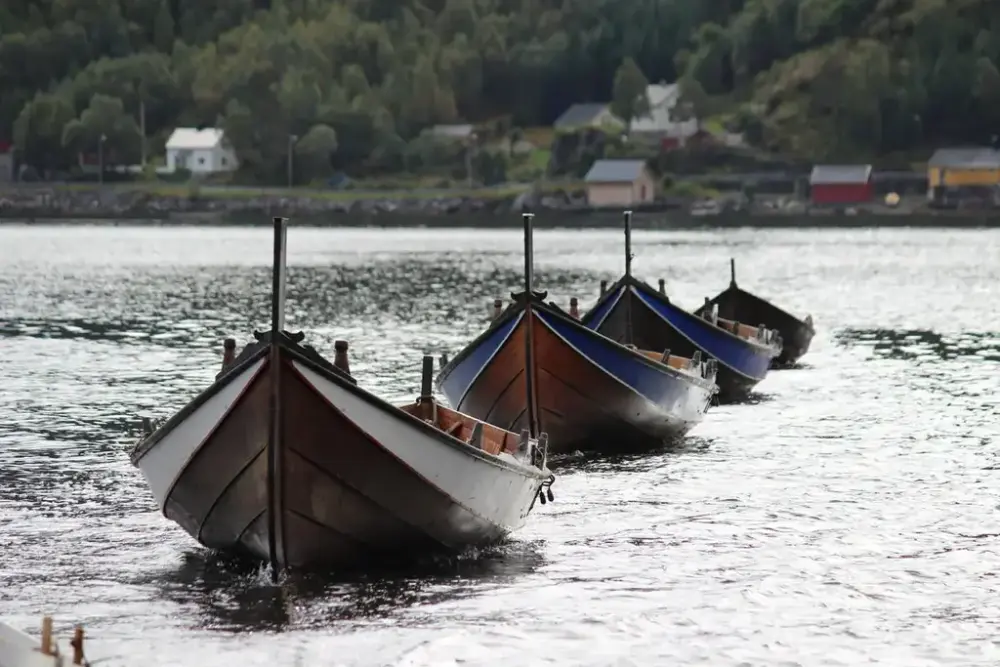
x: 924, y: 345
x: 237, y: 596
x: 845, y: 516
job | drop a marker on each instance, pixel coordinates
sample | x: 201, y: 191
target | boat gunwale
x: 799, y: 321
x: 144, y: 446
x: 509, y: 313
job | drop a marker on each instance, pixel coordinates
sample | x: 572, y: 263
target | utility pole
x: 142, y: 126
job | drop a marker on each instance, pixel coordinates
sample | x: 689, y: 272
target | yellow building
x: 963, y: 167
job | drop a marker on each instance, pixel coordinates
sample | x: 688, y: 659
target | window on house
x: 201, y: 160
x: 223, y: 162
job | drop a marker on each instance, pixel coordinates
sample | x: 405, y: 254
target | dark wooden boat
x: 632, y: 312
x: 286, y: 458
x: 589, y: 392
x: 738, y: 304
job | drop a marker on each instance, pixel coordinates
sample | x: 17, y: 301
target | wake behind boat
x: 589, y: 392
x: 286, y: 459
x: 742, y: 306
x: 632, y: 312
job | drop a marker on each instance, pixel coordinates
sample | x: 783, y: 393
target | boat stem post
x: 732, y: 272
x: 663, y: 286
x: 340, y: 359
x: 274, y: 488
x: 628, y: 244
x: 529, y: 342
x: 628, y: 277
x: 604, y: 287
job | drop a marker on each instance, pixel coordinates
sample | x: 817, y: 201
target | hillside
x: 357, y: 80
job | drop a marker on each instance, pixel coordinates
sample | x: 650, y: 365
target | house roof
x: 838, y: 174
x: 966, y: 158
x: 615, y: 171
x: 189, y: 138
x: 580, y: 114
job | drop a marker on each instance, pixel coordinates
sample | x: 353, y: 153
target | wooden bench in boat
x: 673, y: 361
x: 491, y: 439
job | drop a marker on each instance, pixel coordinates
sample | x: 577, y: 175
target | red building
x: 841, y: 184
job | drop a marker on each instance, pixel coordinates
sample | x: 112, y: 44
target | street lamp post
x: 291, y: 159
x: 100, y: 158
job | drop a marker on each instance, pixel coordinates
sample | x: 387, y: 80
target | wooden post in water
x: 46, y: 648
x: 275, y: 493
x: 77, y: 645
x: 628, y: 277
x: 529, y: 341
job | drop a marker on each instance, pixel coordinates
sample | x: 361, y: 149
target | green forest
x: 355, y: 81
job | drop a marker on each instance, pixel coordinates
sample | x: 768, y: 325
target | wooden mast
x: 529, y: 339
x: 628, y: 278
x: 275, y: 492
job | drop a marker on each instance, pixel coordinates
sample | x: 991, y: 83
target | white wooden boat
x: 18, y: 649
x: 285, y: 458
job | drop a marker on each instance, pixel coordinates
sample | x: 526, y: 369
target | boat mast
x: 529, y: 338
x: 628, y: 277
x: 274, y: 486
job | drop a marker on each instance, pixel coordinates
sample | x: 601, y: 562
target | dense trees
x: 355, y: 81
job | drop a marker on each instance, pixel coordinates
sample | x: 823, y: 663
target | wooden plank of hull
x: 742, y: 306
x: 741, y: 366
x: 358, y: 481
x: 582, y: 406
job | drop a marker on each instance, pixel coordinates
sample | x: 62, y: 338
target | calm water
x: 846, y: 517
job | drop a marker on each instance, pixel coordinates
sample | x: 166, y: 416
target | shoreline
x: 489, y: 208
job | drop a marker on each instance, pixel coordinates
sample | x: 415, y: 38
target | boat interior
x: 486, y: 437
x: 738, y: 328
x: 683, y: 364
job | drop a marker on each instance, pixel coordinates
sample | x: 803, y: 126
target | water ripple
x: 846, y: 516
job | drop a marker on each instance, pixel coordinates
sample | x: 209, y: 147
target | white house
x: 661, y: 122
x: 200, y: 151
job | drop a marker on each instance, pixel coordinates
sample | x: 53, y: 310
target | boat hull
x: 737, y: 304
x: 592, y: 393
x: 346, y: 480
x: 648, y: 318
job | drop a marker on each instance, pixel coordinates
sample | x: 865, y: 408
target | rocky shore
x: 494, y: 208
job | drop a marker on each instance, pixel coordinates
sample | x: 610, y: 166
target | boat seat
x: 741, y: 330
x: 673, y: 361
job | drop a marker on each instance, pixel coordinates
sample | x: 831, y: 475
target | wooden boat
x: 285, y: 458
x: 632, y: 312
x: 738, y: 304
x: 583, y: 389
x: 18, y: 649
